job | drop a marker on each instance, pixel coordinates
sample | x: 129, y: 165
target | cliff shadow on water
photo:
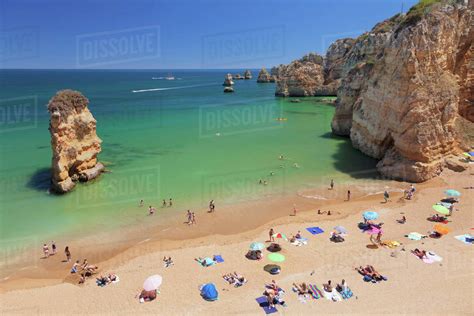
x: 40, y: 180
x: 351, y: 161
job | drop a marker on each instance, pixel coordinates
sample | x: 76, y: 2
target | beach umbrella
x: 370, y: 215
x: 280, y: 235
x: 256, y: 246
x: 152, y: 282
x: 340, y: 229
x: 441, y: 209
x: 452, y: 193
x: 271, y: 267
x: 442, y: 229
x: 209, y: 292
x: 276, y: 257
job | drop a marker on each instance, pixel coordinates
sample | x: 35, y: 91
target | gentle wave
x: 173, y: 88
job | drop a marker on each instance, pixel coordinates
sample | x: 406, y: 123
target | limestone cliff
x: 405, y: 86
x: 74, y: 141
x: 314, y: 75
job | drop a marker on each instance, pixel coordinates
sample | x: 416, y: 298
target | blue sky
x: 164, y: 34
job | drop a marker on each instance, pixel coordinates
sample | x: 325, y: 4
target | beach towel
x: 262, y: 301
x: 333, y: 296
x: 391, y: 243
x: 415, y: 236
x: 315, y: 230
x: 466, y: 238
x: 206, y: 262
x: 346, y: 294
x: 433, y: 256
x: 218, y: 258
x: 315, y: 292
x: 428, y: 260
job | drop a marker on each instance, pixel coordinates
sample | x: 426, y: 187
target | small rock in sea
x: 228, y: 89
x: 228, y: 80
x: 247, y: 74
x: 295, y: 101
x: 238, y: 77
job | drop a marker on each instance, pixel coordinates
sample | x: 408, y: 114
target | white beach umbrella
x: 152, y: 282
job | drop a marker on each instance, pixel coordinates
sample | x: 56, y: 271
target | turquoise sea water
x: 183, y: 139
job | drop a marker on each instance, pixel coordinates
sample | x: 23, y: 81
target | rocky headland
x: 74, y: 141
x: 404, y: 89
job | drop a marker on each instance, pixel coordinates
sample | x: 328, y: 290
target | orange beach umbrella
x: 442, y: 229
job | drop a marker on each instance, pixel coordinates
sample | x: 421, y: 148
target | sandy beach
x: 413, y: 287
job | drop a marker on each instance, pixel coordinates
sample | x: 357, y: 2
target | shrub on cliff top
x: 67, y: 101
x: 418, y: 11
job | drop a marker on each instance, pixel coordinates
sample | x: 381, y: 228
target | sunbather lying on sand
x: 205, y: 262
x: 235, y: 279
x: 370, y: 272
x: 146, y: 296
x: 302, y: 288
x: 167, y: 261
x: 419, y: 253
x: 437, y: 218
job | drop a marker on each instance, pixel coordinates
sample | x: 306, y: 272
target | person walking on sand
x: 193, y: 218
x: 451, y: 209
x: 294, y: 209
x: 211, y: 206
x: 53, y: 247
x: 46, y: 250
x: 332, y: 184
x: 348, y: 195
x: 270, y: 235
x: 164, y: 203
x: 190, y: 217
x: 67, y: 253
x: 386, y: 196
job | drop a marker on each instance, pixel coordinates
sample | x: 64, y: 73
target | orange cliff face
x: 406, y: 91
x: 74, y: 141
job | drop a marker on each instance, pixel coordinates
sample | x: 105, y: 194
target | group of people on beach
x: 152, y: 209
x: 46, y: 251
x: 191, y: 217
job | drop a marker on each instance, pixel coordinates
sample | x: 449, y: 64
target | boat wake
x: 172, y: 88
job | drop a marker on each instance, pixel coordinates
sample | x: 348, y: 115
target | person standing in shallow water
x: 170, y: 202
x: 53, y: 247
x: 46, y: 250
x: 164, y: 203
x: 67, y: 253
x: 332, y: 184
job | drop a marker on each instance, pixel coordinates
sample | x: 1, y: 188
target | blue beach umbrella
x: 370, y: 215
x: 452, y: 193
x: 209, y: 292
x: 256, y: 246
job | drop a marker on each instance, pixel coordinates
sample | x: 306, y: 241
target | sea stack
x: 264, y: 76
x: 228, y: 81
x: 74, y: 141
x: 247, y: 74
x: 238, y: 77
